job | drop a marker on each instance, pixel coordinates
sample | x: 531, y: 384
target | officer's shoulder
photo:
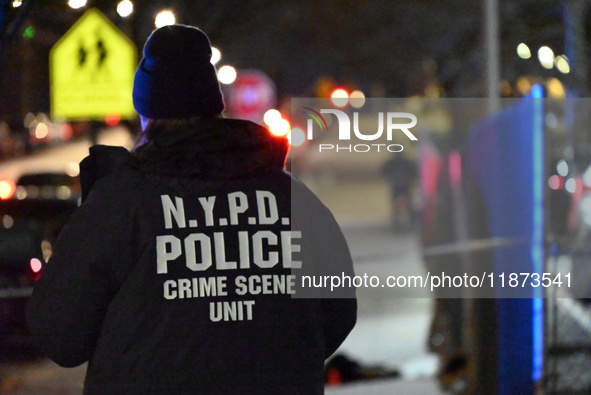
x: 304, y: 200
x: 122, y: 184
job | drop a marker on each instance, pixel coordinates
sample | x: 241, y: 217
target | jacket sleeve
x: 339, y: 308
x: 329, y: 255
x: 69, y: 302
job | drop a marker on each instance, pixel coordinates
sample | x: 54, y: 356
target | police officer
x: 180, y: 272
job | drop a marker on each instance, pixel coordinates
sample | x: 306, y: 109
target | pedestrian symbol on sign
x: 91, y: 71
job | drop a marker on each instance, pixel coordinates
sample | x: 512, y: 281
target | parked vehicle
x: 31, y: 217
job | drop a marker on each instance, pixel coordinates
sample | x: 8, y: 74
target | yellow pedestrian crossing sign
x: 91, y: 71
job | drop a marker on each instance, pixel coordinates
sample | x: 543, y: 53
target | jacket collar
x: 216, y: 148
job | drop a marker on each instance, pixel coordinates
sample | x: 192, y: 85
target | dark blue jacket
x: 181, y: 271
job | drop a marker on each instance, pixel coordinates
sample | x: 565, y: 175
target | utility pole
x: 492, y: 51
x: 3, y: 7
x: 578, y: 79
x: 576, y: 44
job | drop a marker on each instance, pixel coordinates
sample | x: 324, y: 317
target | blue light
x: 537, y: 92
x: 537, y: 249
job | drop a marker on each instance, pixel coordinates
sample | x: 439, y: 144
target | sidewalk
x: 393, y: 324
x: 46, y: 378
x: 388, y: 387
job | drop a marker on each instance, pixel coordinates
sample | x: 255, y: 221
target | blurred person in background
x: 400, y: 173
x: 176, y: 274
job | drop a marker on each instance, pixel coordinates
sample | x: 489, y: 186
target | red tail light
x: 7, y: 188
x: 36, y: 265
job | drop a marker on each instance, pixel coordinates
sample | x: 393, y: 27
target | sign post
x: 91, y: 71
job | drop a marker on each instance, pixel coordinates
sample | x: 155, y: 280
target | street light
x: 272, y: 116
x: 523, y: 51
x: 125, y: 8
x: 561, y: 63
x: 546, y: 57
x: 165, y: 18
x: 357, y: 99
x: 339, y: 97
x: 276, y: 123
x: 280, y: 128
x: 216, y: 55
x: 227, y: 75
x: 75, y: 4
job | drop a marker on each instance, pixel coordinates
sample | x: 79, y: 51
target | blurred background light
x: 125, y: 8
x: 29, y: 32
x: 29, y: 119
x: 357, y: 99
x: 35, y: 265
x: 47, y: 250
x: 75, y: 4
x: 227, y: 74
x: 587, y: 177
x: 570, y: 185
x: 21, y: 193
x: 523, y: 51
x: 551, y: 120
x: 555, y: 182
x: 7, y: 221
x: 296, y: 137
x: 41, y: 131
x: 585, y: 207
x: 216, y: 55
x: 7, y: 189
x: 555, y: 88
x: 63, y: 192
x: 523, y: 85
x: 562, y: 64
x: 73, y: 169
x: 339, y: 97
x: 271, y: 116
x: 112, y: 119
x: 17, y: 3
x: 66, y: 131
x: 562, y: 167
x: 165, y: 18
x: 546, y: 57
x: 280, y: 128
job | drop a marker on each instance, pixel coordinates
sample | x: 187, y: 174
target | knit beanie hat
x: 175, y: 78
